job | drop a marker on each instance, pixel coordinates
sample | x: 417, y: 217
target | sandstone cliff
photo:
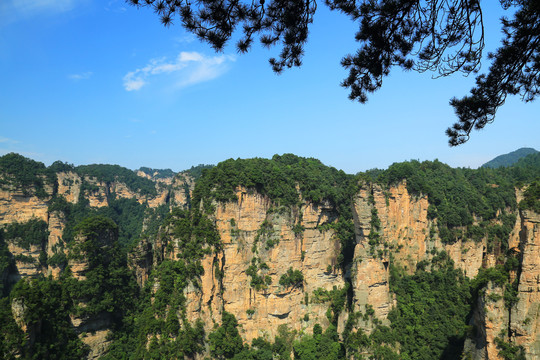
x: 525, y: 315
x: 21, y: 207
x: 261, y: 241
x: 255, y: 233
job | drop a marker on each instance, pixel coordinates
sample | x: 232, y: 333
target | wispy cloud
x: 185, y: 39
x: 14, y: 10
x: 116, y: 6
x: 81, y: 76
x: 7, y: 140
x: 189, y: 67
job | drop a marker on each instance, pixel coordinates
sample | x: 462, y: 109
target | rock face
x: 525, y: 315
x: 15, y: 206
x: 261, y: 242
x: 21, y: 207
x: 490, y: 318
x: 252, y: 232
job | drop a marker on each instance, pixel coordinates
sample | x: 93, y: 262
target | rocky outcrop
x: 21, y: 206
x: 525, y: 315
x: 98, y: 343
x: 101, y: 241
x: 141, y: 260
x: 253, y: 232
x: 181, y: 189
x: 490, y: 320
x: 27, y: 261
x: 69, y: 186
x: 55, y: 244
x: 16, y: 206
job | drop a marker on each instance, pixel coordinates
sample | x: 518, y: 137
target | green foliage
x: 128, y: 214
x: 499, y: 276
x: 319, y: 345
x: 432, y: 308
x: 260, y: 350
x: 336, y: 298
x: 298, y: 229
x: 12, y: 339
x: 292, y: 278
x: 194, y: 233
x: 25, y: 174
x: 354, y: 342
x: 33, y: 232
x: 510, y: 158
x: 374, y: 237
x: 277, y: 178
x: 111, y: 173
x: 6, y: 263
x: 375, y: 222
x: 109, y: 286
x: 160, y: 316
x: 197, y: 171
x: 511, y: 294
x: 59, y: 166
x: 225, y: 341
x: 531, y: 197
x: 455, y: 195
x: 153, y: 219
x: 47, y: 306
x: 157, y: 173
x: 509, y: 351
x: 96, y: 228
x: 24, y: 259
x: 59, y: 259
x: 259, y: 281
x: 160, y: 312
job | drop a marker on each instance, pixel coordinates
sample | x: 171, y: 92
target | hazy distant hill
x: 510, y: 158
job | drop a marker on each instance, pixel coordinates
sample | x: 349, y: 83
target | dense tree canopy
x: 442, y: 36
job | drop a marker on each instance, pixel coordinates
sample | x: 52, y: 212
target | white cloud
x: 189, y: 68
x: 81, y: 76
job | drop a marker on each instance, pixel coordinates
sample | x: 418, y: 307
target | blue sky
x: 87, y: 81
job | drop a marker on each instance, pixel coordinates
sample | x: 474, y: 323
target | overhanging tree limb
x: 515, y: 70
x: 442, y: 36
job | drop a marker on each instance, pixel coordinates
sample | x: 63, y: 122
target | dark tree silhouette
x: 441, y: 36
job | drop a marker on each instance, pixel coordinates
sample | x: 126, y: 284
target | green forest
x: 434, y: 302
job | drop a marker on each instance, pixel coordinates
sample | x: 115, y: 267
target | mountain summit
x: 510, y: 158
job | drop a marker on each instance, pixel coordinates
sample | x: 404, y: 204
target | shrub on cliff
x: 531, y: 197
x: 292, y: 278
x: 225, y: 341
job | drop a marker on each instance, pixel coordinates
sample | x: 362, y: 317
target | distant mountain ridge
x: 510, y: 158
